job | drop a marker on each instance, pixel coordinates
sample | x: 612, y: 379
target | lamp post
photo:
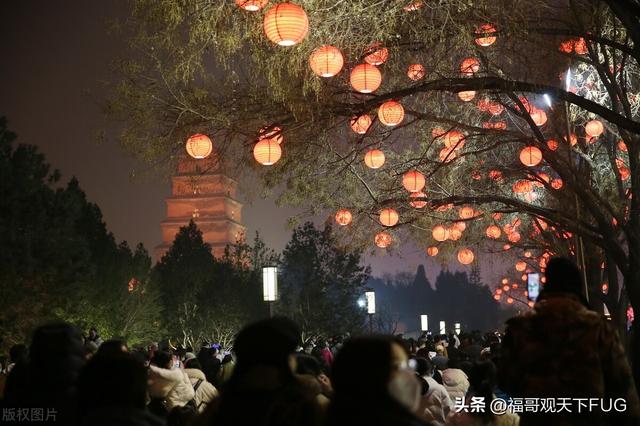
x: 424, y: 322
x: 443, y: 328
x: 370, y: 297
x: 270, y: 286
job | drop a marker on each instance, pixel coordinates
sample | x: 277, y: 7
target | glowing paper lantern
x: 494, y: 232
x: 374, y: 159
x: 530, y: 156
x: 495, y: 108
x: 267, y: 152
x: 467, y: 95
x: 521, y: 266
x: 509, y: 300
x: 622, y: 146
x: 522, y: 187
x: 594, y: 128
x: 416, y: 72
x: 514, y: 237
x: 361, y: 124
x: 556, y: 183
x: 413, y: 181
x: 326, y: 61
x: 552, y: 144
x: 365, y: 78
x: 580, y: 46
x: 469, y: 66
x: 447, y: 154
x: 199, y: 146
x: 454, y: 233
x: 432, y: 251
x: 484, y: 35
x: 391, y: 113
x: 454, y: 139
x: 440, y: 233
x: 376, y: 55
x: 418, y: 204
x: 252, y: 5
x: 286, y: 24
x: 383, y: 239
x: 389, y: 217
x: 566, y: 46
x: 465, y: 256
x: 466, y: 212
x: 343, y: 217
x: 539, y: 117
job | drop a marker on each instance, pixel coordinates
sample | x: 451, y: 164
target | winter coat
x: 205, y: 393
x: 172, y: 385
x: 436, y: 404
x: 562, y: 349
x: 455, y: 382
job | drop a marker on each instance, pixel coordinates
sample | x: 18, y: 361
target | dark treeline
x: 457, y: 297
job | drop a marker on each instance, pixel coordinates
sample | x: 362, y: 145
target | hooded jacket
x: 455, y: 381
x: 174, y: 386
x: 205, y: 393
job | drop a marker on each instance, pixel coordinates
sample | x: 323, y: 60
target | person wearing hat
x: 562, y: 349
x: 263, y: 389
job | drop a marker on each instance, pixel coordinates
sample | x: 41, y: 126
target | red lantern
x: 509, y: 300
x: 361, y: 124
x: 447, y: 154
x: 469, y: 66
x: 374, y: 159
x: 580, y: 46
x: 465, y: 256
x: 199, y: 146
x: 343, y: 217
x: 552, y: 144
x: 413, y: 181
x: 383, y: 239
x: 432, y: 251
x: 454, y: 233
x: 556, y: 183
x: 418, y: 204
x: 530, y: 156
x: 521, y: 266
x: 594, y: 128
x: 622, y: 146
x: 440, y: 233
x: 267, y: 152
x: 454, y: 139
x: 494, y: 232
x: 485, y: 35
x: 389, y: 217
x: 365, y: 78
x: 466, y: 212
x: 286, y: 24
x: 538, y: 116
x: 326, y: 61
x: 416, y: 72
x: 467, y: 95
x: 376, y: 55
x: 391, y: 113
x: 522, y: 187
x: 566, y: 46
x: 252, y: 5
x: 514, y: 237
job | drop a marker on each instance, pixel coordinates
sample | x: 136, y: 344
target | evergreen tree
x: 321, y: 282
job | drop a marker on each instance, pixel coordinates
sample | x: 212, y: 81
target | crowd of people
x: 560, y: 351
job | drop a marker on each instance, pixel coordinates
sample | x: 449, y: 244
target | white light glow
x: 371, y: 302
x: 424, y: 322
x: 270, y: 284
x: 442, y: 328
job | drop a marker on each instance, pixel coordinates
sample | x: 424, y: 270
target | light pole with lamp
x: 370, y: 297
x: 270, y: 286
x: 424, y: 322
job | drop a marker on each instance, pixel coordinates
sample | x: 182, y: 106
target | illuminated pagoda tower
x: 200, y: 192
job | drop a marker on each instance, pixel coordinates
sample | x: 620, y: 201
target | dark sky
x: 55, y: 58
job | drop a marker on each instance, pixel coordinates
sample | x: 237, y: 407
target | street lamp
x: 370, y: 297
x: 424, y: 322
x: 270, y: 286
x: 443, y: 329
x: 456, y: 326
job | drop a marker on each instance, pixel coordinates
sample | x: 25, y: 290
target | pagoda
x: 199, y: 192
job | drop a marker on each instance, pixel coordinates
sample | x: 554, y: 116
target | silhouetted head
x: 114, y: 380
x: 113, y: 347
x: 193, y: 363
x: 161, y: 359
x: 268, y: 342
x: 563, y: 276
x: 18, y: 353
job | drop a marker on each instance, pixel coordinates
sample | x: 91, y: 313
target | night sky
x: 55, y: 61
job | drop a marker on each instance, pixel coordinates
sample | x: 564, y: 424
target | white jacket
x: 436, y: 404
x: 455, y: 381
x: 205, y: 393
x: 172, y: 385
